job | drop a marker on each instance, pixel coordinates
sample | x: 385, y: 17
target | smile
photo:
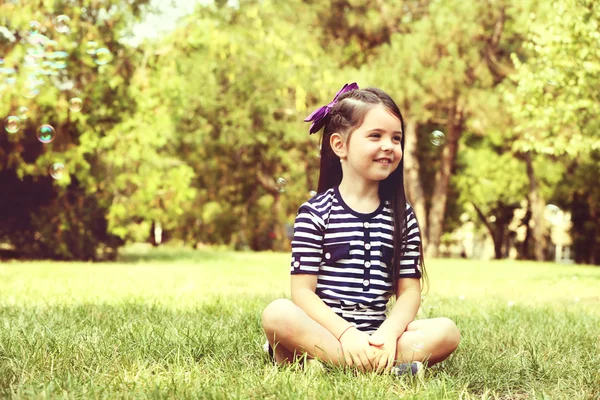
x: 383, y: 161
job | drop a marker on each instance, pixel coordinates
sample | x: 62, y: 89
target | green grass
x: 186, y: 324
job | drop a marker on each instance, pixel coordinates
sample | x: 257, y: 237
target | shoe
x: 269, y: 350
x: 414, y: 368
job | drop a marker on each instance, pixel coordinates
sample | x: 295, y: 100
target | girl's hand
x: 385, y: 343
x: 357, y: 349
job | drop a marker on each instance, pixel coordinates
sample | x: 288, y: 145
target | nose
x: 387, y: 146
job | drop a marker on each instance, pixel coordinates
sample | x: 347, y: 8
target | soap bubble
x: 91, y: 47
x: 34, y: 27
x: 31, y: 89
x: 46, y: 133
x: 12, y: 124
x: 103, y: 56
x: 57, y: 170
x: 23, y: 113
x: 281, y: 182
x: 75, y: 104
x: 10, y: 75
x: 61, y: 24
x: 51, y: 47
x: 437, y: 138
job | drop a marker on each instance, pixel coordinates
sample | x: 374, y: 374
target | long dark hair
x: 345, y: 117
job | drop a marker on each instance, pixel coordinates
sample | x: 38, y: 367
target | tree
x: 47, y: 63
x: 555, y: 102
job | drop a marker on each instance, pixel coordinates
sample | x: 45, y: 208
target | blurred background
x: 180, y: 123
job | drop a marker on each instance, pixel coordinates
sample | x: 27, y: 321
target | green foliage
x: 555, y: 102
x: 192, y: 131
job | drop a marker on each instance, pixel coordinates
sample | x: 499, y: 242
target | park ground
x: 174, y: 323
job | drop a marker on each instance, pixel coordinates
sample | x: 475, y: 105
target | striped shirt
x: 350, y: 253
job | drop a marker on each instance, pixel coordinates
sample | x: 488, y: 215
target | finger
x: 383, y: 363
x: 366, y: 361
x: 375, y: 341
x: 390, y: 362
x: 348, y: 358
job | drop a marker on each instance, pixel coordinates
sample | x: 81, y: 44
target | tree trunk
x: 537, y: 211
x: 412, y: 178
x: 280, y: 242
x: 496, y: 234
x: 442, y: 181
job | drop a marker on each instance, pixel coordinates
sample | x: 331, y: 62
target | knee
x: 274, y: 315
x: 450, y: 333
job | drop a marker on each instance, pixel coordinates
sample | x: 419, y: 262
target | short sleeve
x: 410, y: 261
x: 307, y: 244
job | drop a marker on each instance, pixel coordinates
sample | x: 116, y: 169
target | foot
x: 414, y: 368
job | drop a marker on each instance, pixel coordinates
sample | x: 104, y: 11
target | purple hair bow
x: 318, y: 116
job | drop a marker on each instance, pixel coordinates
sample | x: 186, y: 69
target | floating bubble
x: 61, y: 24
x: 10, y: 75
x: 30, y: 90
x: 312, y: 193
x: 103, y: 56
x: 59, y: 64
x: 75, y: 104
x: 91, y: 47
x: 461, y: 297
x: 57, y: 170
x: 34, y: 27
x: 51, y: 47
x: 419, y: 341
x: 437, y: 138
x: 12, y: 124
x: 281, y: 182
x: 46, y: 133
x: 510, y: 303
x: 57, y: 55
x: 23, y: 113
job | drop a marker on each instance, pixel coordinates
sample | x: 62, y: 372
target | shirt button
x: 327, y: 256
x: 296, y: 264
x: 368, y: 264
x: 368, y: 246
x: 366, y: 224
x: 366, y: 282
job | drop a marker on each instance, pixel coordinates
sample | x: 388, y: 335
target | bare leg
x: 291, y: 332
x: 431, y: 340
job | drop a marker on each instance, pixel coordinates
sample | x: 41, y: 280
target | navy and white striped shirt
x: 351, y: 253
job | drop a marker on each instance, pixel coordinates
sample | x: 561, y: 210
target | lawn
x: 186, y: 324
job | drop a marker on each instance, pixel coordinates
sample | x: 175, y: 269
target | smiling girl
x: 356, y: 244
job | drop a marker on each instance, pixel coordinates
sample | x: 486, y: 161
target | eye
x: 398, y: 139
x: 375, y: 135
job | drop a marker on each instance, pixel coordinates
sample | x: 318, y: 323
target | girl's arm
x: 355, y: 344
x: 304, y: 296
x: 408, y: 300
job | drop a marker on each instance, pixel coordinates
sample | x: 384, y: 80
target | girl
x: 357, y: 243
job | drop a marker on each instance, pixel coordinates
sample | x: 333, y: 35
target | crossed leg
x: 291, y: 332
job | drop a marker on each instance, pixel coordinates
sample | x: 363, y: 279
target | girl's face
x: 374, y: 150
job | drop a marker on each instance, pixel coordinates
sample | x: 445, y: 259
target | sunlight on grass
x: 179, y: 323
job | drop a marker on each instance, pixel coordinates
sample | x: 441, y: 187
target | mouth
x: 383, y: 160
